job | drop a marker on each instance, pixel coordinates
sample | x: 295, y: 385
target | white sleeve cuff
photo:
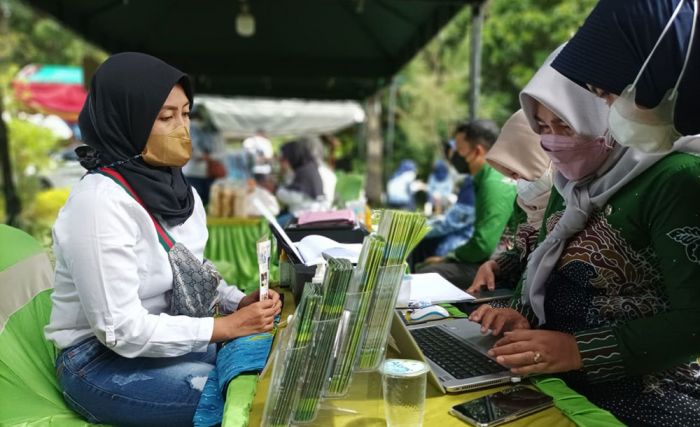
x: 229, y: 296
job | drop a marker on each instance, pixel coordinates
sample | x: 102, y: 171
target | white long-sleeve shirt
x: 114, y: 280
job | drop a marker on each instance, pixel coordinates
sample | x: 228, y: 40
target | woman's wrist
x: 222, y: 329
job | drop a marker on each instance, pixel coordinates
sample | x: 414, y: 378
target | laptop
x: 454, y: 349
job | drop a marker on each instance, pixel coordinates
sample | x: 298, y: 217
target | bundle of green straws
x: 382, y: 257
x: 335, y: 286
x: 291, y: 360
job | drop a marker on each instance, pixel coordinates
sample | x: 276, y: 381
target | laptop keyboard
x: 452, y: 355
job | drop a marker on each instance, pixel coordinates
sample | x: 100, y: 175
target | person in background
x: 495, y: 195
x: 610, y: 300
x: 303, y: 187
x: 259, y: 147
x: 127, y: 353
x: 208, y: 149
x: 315, y: 146
x: 399, y: 192
x: 440, y: 187
x: 517, y: 154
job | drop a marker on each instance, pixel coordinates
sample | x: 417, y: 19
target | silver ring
x: 536, y: 358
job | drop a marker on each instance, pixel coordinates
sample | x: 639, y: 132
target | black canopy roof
x: 330, y: 49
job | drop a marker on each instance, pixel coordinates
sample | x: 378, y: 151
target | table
x: 363, y: 405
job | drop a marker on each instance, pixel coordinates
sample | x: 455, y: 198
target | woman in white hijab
x: 517, y: 154
x: 613, y: 288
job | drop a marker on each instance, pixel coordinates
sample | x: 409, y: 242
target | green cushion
x: 16, y: 246
x: 28, y: 386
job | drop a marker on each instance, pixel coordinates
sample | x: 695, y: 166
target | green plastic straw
x: 335, y: 286
x: 296, y: 361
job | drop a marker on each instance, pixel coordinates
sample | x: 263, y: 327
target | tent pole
x: 475, y: 60
x: 12, y: 203
x: 374, y: 183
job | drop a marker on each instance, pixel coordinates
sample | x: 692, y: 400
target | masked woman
x: 613, y: 288
x: 518, y: 155
x: 133, y: 298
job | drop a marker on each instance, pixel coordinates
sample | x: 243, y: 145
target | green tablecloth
x: 231, y: 247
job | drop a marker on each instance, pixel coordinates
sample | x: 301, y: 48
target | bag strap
x: 163, y: 237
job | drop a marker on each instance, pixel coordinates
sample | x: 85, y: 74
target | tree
x: 434, y: 93
x: 28, y: 37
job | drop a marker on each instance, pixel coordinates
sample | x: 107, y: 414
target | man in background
x: 495, y: 195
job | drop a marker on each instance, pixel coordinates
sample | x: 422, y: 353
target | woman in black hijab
x: 129, y: 317
x: 305, y: 191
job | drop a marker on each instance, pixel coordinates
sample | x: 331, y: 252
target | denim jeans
x: 104, y: 387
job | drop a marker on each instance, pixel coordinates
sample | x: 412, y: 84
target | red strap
x: 165, y: 240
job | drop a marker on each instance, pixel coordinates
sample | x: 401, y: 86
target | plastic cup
x: 403, y: 384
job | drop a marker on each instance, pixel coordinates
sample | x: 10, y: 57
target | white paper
x: 263, y: 248
x: 313, y: 247
x: 430, y: 288
x: 272, y: 220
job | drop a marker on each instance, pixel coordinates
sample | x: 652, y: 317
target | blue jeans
x: 104, y: 387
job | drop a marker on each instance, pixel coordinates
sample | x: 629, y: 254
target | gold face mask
x: 172, y: 149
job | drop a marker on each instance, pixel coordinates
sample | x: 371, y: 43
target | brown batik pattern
x: 629, y: 283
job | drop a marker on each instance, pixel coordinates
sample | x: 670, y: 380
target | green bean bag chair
x: 28, y: 386
x: 29, y: 393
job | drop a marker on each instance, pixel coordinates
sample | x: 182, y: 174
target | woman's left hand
x: 528, y: 351
x: 255, y: 296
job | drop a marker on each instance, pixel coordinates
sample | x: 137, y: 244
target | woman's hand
x: 537, y: 352
x: 255, y: 296
x: 498, y: 319
x: 485, y: 277
x: 253, y: 318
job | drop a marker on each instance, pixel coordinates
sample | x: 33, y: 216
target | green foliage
x: 517, y: 38
x: 434, y: 93
x: 31, y: 37
x: 29, y: 148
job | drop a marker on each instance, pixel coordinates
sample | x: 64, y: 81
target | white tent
x: 243, y: 117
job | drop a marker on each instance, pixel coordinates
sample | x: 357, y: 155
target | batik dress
x: 628, y: 288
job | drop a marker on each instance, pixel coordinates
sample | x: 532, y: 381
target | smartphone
x: 486, y: 295
x: 502, y: 407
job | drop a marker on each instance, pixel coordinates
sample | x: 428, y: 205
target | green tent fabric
x: 231, y: 247
x: 28, y: 386
x: 16, y: 246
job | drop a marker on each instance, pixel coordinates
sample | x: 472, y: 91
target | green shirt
x: 637, y: 268
x: 494, y: 205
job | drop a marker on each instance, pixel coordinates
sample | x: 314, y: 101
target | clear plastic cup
x: 403, y: 384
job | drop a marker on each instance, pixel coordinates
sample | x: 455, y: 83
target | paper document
x: 430, y: 288
x: 272, y: 220
x: 313, y: 247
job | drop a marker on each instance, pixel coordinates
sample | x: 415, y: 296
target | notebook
x: 429, y: 288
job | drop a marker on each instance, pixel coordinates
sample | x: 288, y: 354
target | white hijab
x: 586, y: 115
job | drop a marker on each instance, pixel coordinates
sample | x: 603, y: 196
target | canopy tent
x: 51, y: 89
x: 243, y: 117
x: 322, y: 49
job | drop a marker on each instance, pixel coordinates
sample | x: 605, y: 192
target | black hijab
x: 126, y: 95
x: 611, y: 46
x: 306, y: 177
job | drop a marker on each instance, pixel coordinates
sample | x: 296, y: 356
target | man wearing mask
x: 494, y: 204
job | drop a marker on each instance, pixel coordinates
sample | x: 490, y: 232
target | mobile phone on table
x: 502, y: 406
x: 486, y: 295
